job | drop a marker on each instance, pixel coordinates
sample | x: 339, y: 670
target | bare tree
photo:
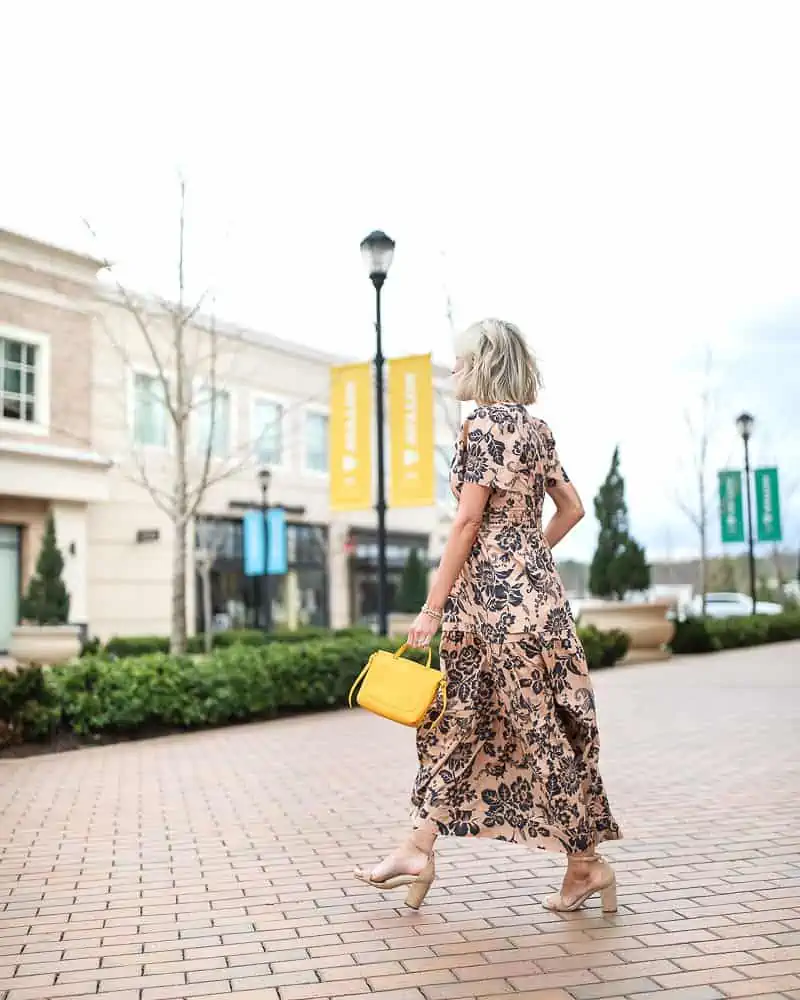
x: 185, y: 350
x: 185, y: 380
x: 699, y: 431
x: 211, y: 543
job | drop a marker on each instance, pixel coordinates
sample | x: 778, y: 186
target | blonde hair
x: 498, y: 365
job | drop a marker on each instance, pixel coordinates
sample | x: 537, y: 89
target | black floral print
x: 515, y: 756
x: 509, y: 584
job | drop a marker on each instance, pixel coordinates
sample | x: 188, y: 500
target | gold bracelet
x: 433, y: 612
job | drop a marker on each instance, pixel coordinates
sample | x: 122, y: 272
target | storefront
x: 363, y: 570
x: 298, y: 598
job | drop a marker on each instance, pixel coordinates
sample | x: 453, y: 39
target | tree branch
x: 131, y: 308
x: 213, y: 403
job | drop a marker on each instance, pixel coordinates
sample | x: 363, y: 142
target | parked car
x: 732, y: 606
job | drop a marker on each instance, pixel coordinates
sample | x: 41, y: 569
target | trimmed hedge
x: 603, y: 649
x: 104, y: 696
x: 699, y: 635
x: 158, y: 691
x: 141, y: 645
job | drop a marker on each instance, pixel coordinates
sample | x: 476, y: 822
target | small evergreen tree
x: 619, y: 564
x: 413, y: 588
x: 47, y: 600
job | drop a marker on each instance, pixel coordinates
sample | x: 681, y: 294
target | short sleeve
x: 554, y: 472
x: 488, y: 444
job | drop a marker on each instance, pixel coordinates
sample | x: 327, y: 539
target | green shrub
x: 785, y: 627
x: 603, y: 649
x: 692, y: 636
x: 135, y: 645
x: 142, y: 645
x: 90, y: 646
x: 155, y: 691
x: 697, y: 635
x: 256, y: 677
x: 592, y: 645
x: 615, y: 646
x: 28, y: 710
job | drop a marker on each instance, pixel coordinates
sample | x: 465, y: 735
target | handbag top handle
x: 404, y: 647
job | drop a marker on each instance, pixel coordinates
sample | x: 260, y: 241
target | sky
x: 619, y: 179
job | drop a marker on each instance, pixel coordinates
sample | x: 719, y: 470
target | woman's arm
x: 569, y: 510
x: 463, y: 532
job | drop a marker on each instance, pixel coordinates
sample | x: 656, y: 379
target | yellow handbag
x: 399, y: 689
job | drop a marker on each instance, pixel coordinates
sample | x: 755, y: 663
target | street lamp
x: 264, y: 476
x: 377, y: 251
x: 744, y: 424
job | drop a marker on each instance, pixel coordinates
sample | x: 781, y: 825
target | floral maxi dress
x: 515, y: 756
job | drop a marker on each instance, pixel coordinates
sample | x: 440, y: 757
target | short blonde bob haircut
x: 497, y: 366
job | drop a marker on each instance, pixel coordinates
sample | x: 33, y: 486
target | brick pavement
x: 217, y: 864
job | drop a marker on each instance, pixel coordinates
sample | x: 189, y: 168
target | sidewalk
x: 217, y: 864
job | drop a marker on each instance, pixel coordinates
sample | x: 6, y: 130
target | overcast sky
x: 621, y: 179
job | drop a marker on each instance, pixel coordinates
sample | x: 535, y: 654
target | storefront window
x: 298, y: 598
x: 364, y: 571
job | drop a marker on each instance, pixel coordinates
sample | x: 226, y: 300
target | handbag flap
x: 397, y: 686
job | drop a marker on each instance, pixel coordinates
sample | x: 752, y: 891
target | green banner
x: 768, y: 505
x: 731, y: 506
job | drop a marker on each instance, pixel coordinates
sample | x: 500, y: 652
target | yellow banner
x: 351, y: 437
x: 411, y: 432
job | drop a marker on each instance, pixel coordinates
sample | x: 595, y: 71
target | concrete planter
x: 647, y: 625
x: 45, y: 645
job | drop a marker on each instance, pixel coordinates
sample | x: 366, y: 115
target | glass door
x: 9, y: 582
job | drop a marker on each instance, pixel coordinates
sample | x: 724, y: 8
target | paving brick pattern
x: 217, y: 864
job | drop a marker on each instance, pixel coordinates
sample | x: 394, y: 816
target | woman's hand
x: 423, y: 630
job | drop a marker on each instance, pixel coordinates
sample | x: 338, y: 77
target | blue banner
x: 254, y: 547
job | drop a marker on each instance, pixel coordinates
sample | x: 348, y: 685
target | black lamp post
x: 264, y: 597
x: 377, y: 251
x: 744, y: 424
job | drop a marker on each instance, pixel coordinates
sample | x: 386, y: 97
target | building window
x: 268, y: 418
x: 149, y: 411
x: 213, y: 422
x: 300, y: 596
x: 19, y: 382
x: 221, y: 537
x: 307, y: 544
x: 317, y: 442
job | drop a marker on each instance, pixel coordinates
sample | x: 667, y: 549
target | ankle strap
x: 414, y: 842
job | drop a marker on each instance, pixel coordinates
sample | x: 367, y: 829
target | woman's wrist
x: 430, y: 609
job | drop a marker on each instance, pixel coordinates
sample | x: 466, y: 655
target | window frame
x: 152, y: 374
x: 318, y: 411
x: 198, y: 447
x: 278, y: 400
x: 40, y: 427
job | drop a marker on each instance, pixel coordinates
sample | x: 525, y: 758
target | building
x: 47, y: 462
x: 84, y: 434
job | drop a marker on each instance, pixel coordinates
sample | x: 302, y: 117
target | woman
x: 515, y: 756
